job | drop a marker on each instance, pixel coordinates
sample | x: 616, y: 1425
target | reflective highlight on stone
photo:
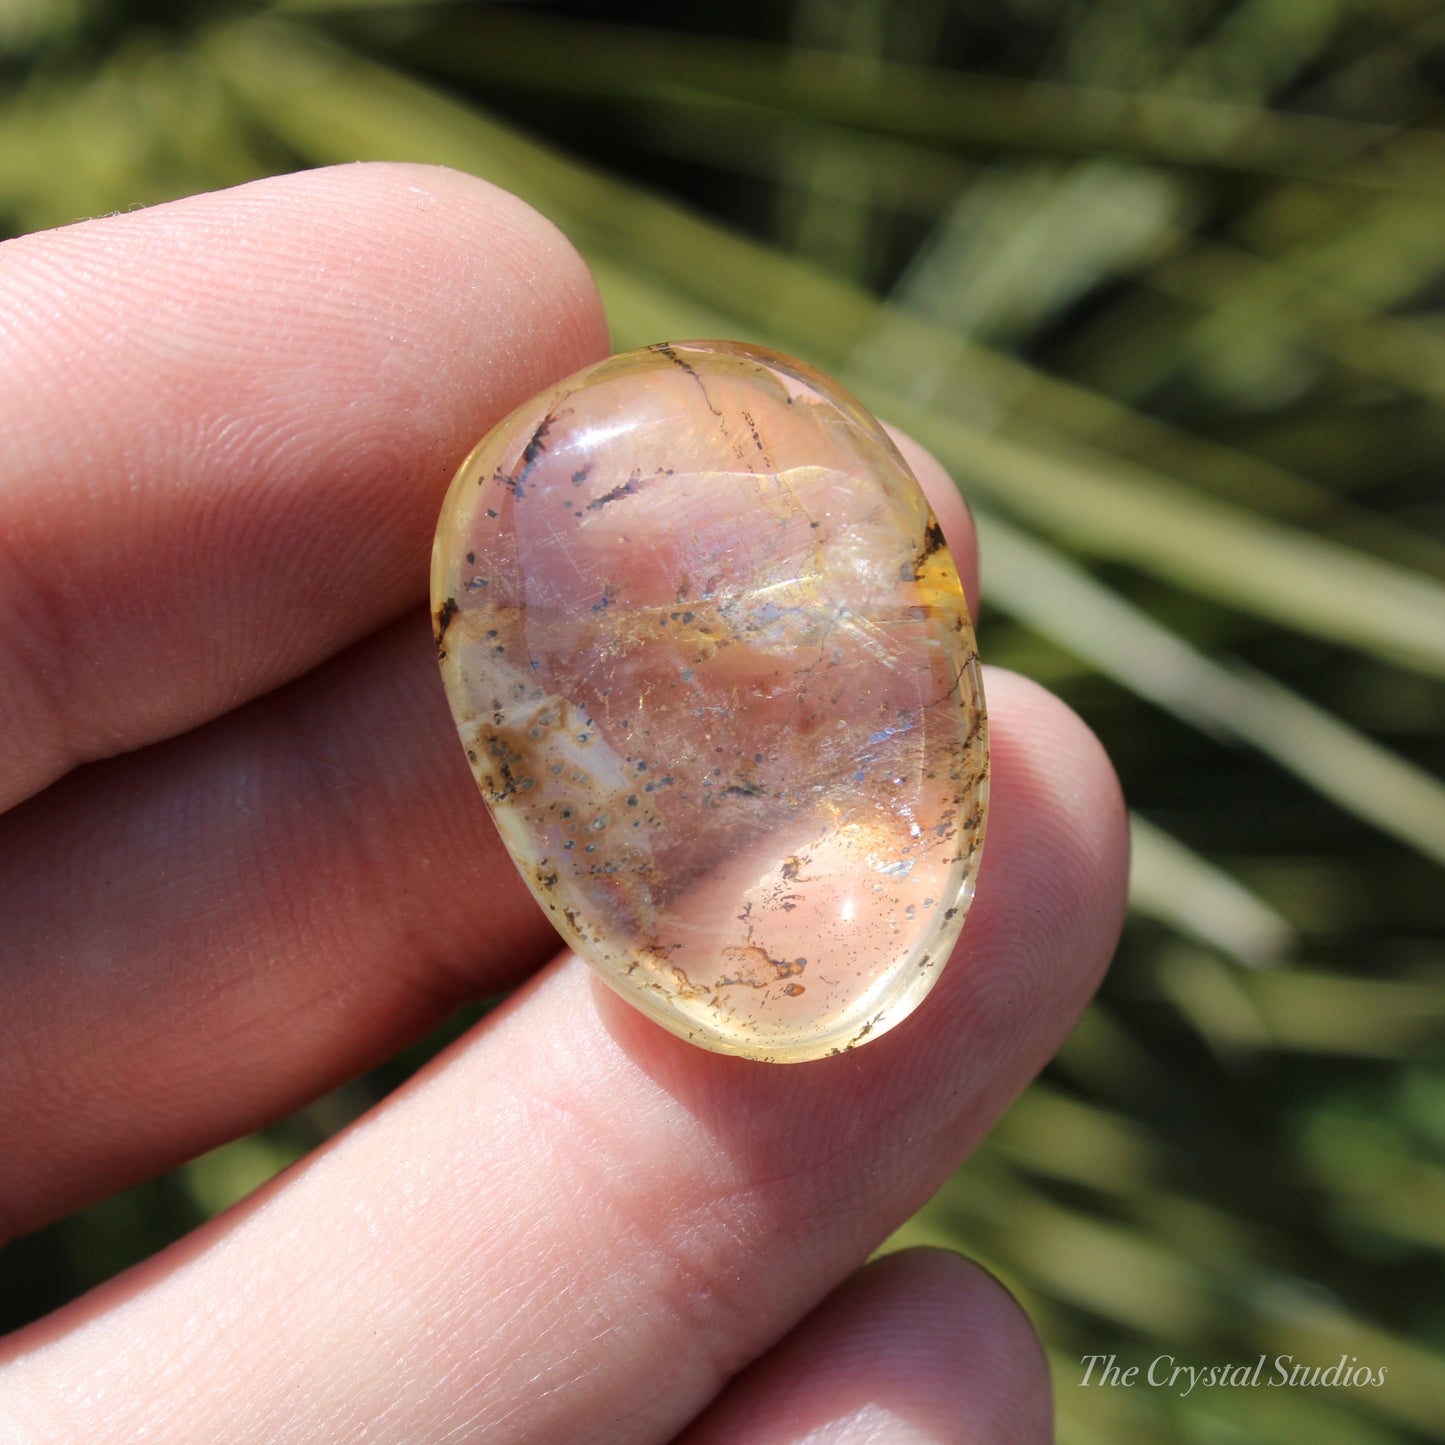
x: 714, y: 672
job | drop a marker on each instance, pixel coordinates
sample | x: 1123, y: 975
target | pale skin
x: 243, y: 860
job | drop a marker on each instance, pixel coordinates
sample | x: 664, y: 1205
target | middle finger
x: 204, y: 935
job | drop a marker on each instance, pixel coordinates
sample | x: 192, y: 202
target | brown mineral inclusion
x: 714, y: 672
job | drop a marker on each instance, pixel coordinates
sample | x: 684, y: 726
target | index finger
x: 225, y: 427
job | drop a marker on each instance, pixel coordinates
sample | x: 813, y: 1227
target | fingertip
x: 985, y: 1346
x: 249, y: 404
x: 1053, y: 882
x: 919, y: 1346
x: 460, y: 273
x: 542, y: 267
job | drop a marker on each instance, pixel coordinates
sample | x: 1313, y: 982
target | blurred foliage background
x: 1162, y: 282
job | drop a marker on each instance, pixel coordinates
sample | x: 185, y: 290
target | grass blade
x: 333, y: 106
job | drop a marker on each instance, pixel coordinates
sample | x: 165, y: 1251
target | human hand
x: 243, y: 860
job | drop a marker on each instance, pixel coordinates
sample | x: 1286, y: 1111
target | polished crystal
x: 715, y: 676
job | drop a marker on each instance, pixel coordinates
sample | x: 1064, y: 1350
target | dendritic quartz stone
x: 715, y: 675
